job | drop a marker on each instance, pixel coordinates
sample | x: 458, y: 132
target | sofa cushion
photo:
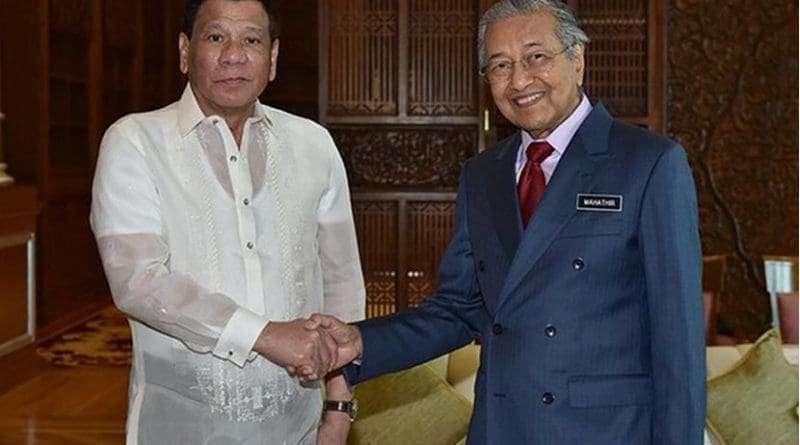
x: 411, y: 406
x: 756, y: 400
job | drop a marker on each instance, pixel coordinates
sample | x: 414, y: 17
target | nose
x: 233, y: 52
x: 520, y: 76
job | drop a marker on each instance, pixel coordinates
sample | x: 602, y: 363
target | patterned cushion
x: 415, y: 406
x: 755, y: 402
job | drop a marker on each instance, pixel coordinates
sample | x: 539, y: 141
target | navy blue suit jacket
x: 589, y: 319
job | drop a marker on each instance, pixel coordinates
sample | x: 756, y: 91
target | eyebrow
x: 525, y: 47
x: 216, y: 26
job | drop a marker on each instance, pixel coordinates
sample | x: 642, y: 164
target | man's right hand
x: 343, y: 342
x: 292, y: 345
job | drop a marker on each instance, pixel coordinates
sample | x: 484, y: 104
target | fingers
x: 312, y: 323
x: 311, y: 348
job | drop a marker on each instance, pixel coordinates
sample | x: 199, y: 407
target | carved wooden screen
x: 441, y: 48
x: 398, y: 61
x: 624, y: 65
x: 401, y: 237
x: 400, y: 94
x: 363, y: 57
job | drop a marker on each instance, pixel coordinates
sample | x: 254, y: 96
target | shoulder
x: 144, y: 124
x: 641, y: 146
x: 297, y: 127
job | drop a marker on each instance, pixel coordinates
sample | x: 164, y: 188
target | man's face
x: 542, y: 96
x: 229, y: 59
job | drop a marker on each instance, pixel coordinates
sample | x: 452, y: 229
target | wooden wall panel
x: 405, y: 155
x: 733, y: 104
x: 617, y: 59
x: 363, y: 54
x: 441, y: 45
x: 376, y: 228
x: 296, y: 87
x: 430, y: 228
x: 82, y: 63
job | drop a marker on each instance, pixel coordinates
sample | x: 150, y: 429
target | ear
x: 273, y: 59
x: 183, y: 52
x: 579, y: 63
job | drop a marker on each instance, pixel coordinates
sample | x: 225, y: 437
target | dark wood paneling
x: 383, y: 156
x: 733, y: 105
x: 296, y: 87
x: 70, y: 68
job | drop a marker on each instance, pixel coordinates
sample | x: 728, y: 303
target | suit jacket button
x: 548, y: 398
x: 578, y: 263
x: 482, y: 266
x: 497, y: 329
x: 550, y: 330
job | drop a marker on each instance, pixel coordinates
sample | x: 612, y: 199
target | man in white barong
x: 222, y: 223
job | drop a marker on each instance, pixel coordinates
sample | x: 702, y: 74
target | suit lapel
x: 586, y: 154
x: 502, y: 186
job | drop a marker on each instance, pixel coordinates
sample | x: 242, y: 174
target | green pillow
x: 755, y: 402
x: 415, y: 406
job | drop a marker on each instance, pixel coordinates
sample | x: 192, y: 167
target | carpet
x: 103, y: 341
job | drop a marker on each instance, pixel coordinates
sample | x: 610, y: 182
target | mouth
x: 231, y: 81
x: 527, y: 100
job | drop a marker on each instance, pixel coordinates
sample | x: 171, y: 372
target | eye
x: 252, y: 40
x: 538, y: 57
x: 216, y: 38
x: 501, y: 66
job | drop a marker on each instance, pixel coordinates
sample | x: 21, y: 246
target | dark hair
x: 192, y: 6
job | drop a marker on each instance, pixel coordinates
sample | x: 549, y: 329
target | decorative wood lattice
x: 405, y: 156
x: 376, y: 228
x: 431, y: 226
x: 616, y: 58
x: 401, y: 237
x: 441, y: 48
x: 733, y: 105
x: 363, y: 58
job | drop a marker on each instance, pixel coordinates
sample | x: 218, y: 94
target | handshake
x: 310, y: 348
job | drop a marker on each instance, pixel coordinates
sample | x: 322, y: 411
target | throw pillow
x: 755, y: 402
x: 415, y: 406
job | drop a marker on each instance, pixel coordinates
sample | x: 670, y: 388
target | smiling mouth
x: 527, y: 100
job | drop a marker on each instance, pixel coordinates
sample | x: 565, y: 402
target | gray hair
x: 568, y: 31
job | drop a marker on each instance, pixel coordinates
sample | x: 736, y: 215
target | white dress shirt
x: 203, y: 244
x: 559, y: 139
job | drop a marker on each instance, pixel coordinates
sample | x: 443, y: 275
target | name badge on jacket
x: 599, y: 203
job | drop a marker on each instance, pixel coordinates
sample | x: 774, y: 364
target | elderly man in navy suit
x: 575, y: 260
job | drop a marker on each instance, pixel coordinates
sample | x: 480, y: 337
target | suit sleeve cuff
x: 239, y: 336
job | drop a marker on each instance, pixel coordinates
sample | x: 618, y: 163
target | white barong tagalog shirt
x: 203, y: 244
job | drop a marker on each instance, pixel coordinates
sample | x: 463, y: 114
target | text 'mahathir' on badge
x: 599, y: 203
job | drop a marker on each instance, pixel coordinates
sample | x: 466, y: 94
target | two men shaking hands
x: 310, y: 348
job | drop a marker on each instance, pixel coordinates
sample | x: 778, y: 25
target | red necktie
x: 531, y: 181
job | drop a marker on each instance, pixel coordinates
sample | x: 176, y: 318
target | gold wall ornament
x: 5, y: 179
